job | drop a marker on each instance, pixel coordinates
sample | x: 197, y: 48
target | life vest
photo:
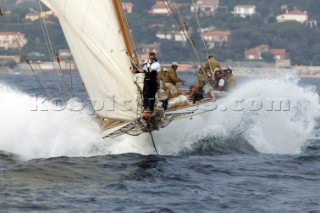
x: 148, y: 67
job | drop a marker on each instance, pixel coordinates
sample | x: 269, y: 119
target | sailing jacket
x: 172, y: 77
x: 211, y: 64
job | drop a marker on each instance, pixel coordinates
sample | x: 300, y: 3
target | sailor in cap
x: 172, y: 79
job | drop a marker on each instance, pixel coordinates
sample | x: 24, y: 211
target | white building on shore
x: 12, y: 40
x: 294, y: 15
x: 244, y: 10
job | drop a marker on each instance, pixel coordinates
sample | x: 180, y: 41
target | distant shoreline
x: 27, y: 72
x: 13, y: 72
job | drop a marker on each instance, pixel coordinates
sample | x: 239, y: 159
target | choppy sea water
x: 261, y: 161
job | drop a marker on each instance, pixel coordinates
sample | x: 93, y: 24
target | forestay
x: 94, y: 36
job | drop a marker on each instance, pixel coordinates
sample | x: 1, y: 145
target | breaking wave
x: 31, y: 129
x: 36, y: 133
x: 273, y: 116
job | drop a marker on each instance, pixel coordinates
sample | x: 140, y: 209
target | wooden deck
x: 106, y: 124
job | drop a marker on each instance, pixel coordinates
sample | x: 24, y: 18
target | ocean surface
x: 253, y: 161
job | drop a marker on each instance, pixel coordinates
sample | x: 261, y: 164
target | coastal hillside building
x: 48, y: 65
x: 156, y: 26
x: 278, y: 53
x: 23, y: 1
x: 32, y: 16
x: 127, y: 7
x: 244, y: 10
x: 256, y: 53
x: 12, y: 40
x: 294, y: 15
x: 65, y: 54
x: 215, y: 38
x: 205, y: 7
x: 146, y: 48
x: 4, y: 59
x: 161, y: 8
x: 171, y: 35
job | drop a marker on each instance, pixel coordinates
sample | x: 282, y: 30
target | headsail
x: 95, y: 38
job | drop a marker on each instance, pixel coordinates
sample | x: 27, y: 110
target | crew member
x: 151, y: 83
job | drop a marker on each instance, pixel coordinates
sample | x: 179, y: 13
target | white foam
x: 43, y: 134
x: 282, y: 130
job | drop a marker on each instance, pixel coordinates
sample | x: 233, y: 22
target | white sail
x: 94, y: 36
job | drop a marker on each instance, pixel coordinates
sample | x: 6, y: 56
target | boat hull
x: 168, y: 140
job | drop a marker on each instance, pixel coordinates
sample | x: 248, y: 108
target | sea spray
x: 275, y: 116
x: 35, y: 131
x: 35, y: 127
x: 236, y: 123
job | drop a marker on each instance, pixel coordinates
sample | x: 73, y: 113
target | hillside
x: 301, y: 42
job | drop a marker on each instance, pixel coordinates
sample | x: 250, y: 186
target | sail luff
x: 125, y: 30
x: 96, y: 40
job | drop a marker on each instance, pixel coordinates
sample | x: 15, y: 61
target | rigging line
x: 182, y: 26
x: 50, y: 50
x: 139, y: 90
x: 133, y: 43
x: 135, y: 64
x: 128, y: 35
x: 39, y: 10
x: 154, y: 145
x: 53, y: 56
x: 37, y: 77
x: 184, y: 38
x: 189, y: 39
x: 202, y: 71
x: 183, y: 34
x: 43, y: 72
x: 2, y: 14
x: 204, y: 43
x: 198, y: 21
x: 71, y: 77
x: 131, y: 52
x: 192, y: 45
x: 188, y: 36
x: 54, y: 50
x: 17, y: 39
x: 46, y: 77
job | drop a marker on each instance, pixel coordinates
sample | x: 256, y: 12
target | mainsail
x: 93, y: 32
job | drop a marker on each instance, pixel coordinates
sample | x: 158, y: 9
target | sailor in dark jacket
x: 151, y: 83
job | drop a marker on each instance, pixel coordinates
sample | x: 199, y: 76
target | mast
x: 125, y: 31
